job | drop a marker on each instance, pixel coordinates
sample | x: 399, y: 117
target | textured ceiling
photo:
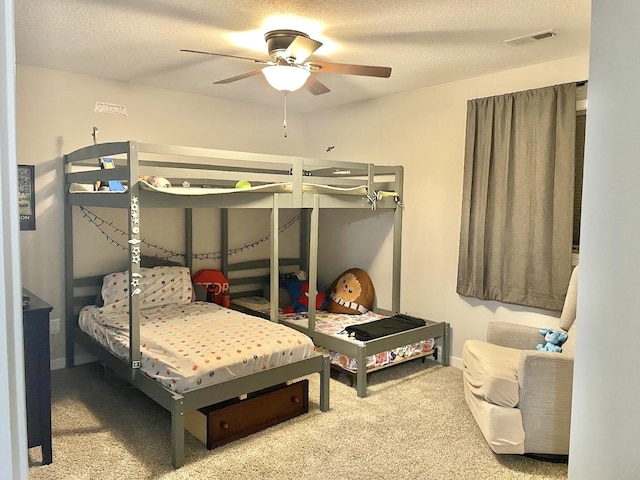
x: 426, y: 42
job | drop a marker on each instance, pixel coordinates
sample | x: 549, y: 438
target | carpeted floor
x: 413, y: 425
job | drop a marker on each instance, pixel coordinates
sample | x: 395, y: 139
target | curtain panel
x: 517, y: 205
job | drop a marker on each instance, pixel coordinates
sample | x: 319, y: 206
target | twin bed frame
x: 278, y: 182
x: 248, y: 273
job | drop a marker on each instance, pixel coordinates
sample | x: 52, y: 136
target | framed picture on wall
x: 26, y: 197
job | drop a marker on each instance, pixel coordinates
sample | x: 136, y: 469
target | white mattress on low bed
x: 335, y: 324
x: 186, y: 346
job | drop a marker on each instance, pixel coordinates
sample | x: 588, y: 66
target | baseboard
x: 80, y: 358
x: 456, y: 362
x: 544, y: 457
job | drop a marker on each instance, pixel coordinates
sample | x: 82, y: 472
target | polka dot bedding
x: 335, y: 324
x: 187, y: 346
x: 157, y: 286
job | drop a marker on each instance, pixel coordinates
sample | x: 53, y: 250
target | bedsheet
x: 198, y: 344
x: 335, y: 324
x: 284, y: 187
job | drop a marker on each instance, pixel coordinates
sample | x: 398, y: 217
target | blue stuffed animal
x: 554, y: 339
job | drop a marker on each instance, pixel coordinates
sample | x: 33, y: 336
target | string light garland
x: 109, y: 230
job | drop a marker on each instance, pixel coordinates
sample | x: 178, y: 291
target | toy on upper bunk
x: 117, y: 186
x: 110, y: 185
x: 158, y: 182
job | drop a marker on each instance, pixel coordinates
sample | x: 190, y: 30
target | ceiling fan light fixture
x: 286, y: 78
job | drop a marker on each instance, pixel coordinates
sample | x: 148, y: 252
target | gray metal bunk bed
x: 279, y: 182
x: 383, y: 191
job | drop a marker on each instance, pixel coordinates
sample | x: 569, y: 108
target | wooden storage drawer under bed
x: 225, y: 422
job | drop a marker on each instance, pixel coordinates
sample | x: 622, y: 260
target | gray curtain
x: 517, y: 205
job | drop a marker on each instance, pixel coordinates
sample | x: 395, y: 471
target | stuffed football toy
x: 554, y: 339
x: 352, y: 292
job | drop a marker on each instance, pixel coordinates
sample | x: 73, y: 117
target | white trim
x: 58, y: 363
x: 13, y: 424
x: 456, y: 362
x: 80, y: 358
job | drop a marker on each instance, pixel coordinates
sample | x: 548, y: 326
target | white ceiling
x: 426, y: 42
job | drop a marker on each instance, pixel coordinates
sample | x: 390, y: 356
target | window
x: 516, y: 233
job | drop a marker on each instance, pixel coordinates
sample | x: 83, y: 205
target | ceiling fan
x: 287, y: 69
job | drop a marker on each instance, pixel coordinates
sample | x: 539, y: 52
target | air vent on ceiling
x: 530, y: 38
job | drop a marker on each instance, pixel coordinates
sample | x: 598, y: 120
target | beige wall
x: 424, y: 131
x: 55, y: 115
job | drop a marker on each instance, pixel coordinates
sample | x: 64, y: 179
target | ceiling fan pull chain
x: 284, y: 123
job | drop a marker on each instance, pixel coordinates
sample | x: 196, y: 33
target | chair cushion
x: 491, y: 372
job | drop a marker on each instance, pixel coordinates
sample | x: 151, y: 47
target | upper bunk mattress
x: 186, y: 346
x: 287, y: 187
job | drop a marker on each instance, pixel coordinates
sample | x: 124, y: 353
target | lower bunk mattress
x: 187, y: 346
x: 335, y: 324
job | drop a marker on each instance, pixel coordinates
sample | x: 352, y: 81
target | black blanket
x: 384, y: 327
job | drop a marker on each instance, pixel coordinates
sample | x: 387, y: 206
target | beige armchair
x: 521, y: 397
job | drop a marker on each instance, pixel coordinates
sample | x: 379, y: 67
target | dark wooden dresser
x: 35, y: 320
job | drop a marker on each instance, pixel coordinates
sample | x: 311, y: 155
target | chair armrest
x: 512, y: 335
x: 545, y: 385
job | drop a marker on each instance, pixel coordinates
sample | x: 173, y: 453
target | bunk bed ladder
x: 313, y: 263
x: 224, y: 241
x: 188, y: 238
x: 304, y: 238
x: 275, y: 257
x: 68, y: 273
x: 134, y: 241
x: 297, y: 173
x: 371, y: 189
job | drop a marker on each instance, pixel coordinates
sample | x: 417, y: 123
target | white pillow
x: 158, y: 286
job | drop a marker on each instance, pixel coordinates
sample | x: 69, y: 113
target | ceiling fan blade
x: 301, y: 48
x: 345, y: 68
x: 225, y: 55
x: 238, y: 77
x: 315, y: 86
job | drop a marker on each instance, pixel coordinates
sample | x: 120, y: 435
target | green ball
x: 243, y: 184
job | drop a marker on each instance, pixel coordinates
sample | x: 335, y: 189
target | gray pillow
x: 284, y: 299
x: 147, y: 261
